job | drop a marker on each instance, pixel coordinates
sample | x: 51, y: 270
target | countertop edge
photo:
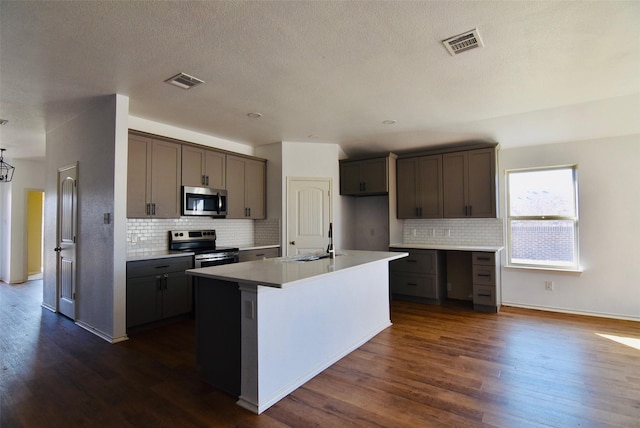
x: 236, y: 278
x: 259, y: 247
x: 444, y: 247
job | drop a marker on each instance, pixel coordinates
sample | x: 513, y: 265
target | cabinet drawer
x: 418, y: 261
x: 484, y: 275
x: 267, y: 253
x: 484, y: 295
x: 487, y: 259
x: 158, y: 266
x: 414, y: 285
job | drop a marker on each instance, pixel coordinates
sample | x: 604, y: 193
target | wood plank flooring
x: 437, y: 366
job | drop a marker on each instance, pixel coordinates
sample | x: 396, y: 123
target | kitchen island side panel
x: 292, y: 334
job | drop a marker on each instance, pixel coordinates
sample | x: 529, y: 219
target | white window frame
x: 574, y: 219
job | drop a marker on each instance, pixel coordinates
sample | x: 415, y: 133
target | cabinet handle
x: 470, y: 210
x: 249, y: 211
x: 161, y: 267
x: 292, y: 243
x: 487, y: 275
x: 412, y: 284
x: 153, y: 209
x: 484, y: 258
x: 202, y: 181
x: 484, y: 295
x: 207, y: 180
x: 148, y: 209
x: 158, y: 283
x: 411, y: 261
x: 166, y: 281
x: 260, y: 255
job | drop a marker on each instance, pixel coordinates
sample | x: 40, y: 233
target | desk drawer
x: 484, y: 295
x: 484, y: 275
x: 418, y: 261
x: 414, y: 285
x: 487, y: 259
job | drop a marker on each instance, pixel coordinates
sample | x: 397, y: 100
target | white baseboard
x: 572, y: 311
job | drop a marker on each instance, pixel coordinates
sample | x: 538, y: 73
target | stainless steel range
x: 203, y: 244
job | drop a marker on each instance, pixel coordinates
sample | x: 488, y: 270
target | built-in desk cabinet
x: 418, y: 277
x: 158, y: 289
x: 203, y: 167
x: 153, y: 178
x: 364, y: 177
x: 264, y: 253
x: 485, y: 272
x: 246, y: 188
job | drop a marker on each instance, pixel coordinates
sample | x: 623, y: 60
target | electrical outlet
x: 548, y: 285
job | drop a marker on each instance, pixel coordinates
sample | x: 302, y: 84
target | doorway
x: 308, y: 215
x: 35, y: 233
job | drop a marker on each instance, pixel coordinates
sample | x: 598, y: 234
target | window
x: 542, y: 217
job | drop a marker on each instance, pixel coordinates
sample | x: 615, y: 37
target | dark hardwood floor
x: 436, y: 366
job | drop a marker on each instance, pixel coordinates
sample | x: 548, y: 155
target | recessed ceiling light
x: 389, y: 121
x: 3, y: 121
x: 184, y: 81
x: 313, y: 136
x: 254, y: 115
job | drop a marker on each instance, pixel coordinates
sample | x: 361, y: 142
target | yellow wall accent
x: 34, y: 232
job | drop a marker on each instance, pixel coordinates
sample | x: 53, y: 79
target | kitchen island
x: 266, y: 327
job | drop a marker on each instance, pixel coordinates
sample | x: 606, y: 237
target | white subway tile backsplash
x: 144, y: 235
x: 472, y: 231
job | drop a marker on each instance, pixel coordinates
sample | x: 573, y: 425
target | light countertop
x: 282, y: 272
x: 487, y: 249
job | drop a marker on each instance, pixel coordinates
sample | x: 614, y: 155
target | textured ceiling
x: 549, y: 71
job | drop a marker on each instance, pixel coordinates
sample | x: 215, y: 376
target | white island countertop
x: 444, y: 247
x: 283, y: 272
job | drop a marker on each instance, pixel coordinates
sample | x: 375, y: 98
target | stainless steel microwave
x: 204, y: 201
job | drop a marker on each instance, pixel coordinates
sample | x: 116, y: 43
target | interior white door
x: 66, y: 249
x: 308, y: 215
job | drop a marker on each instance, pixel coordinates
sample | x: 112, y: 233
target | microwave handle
x: 219, y: 203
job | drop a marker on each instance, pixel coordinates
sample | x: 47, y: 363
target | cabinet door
x: 374, y: 176
x: 144, y: 303
x: 350, y: 178
x: 255, y: 189
x: 235, y: 187
x: 176, y: 294
x: 454, y: 167
x: 138, y: 176
x: 193, y: 160
x: 214, y: 169
x: 407, y: 172
x: 430, y: 186
x: 166, y: 162
x: 482, y: 183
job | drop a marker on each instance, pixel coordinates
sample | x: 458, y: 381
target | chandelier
x: 6, y: 170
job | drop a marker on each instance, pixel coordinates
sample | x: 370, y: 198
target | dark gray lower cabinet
x: 419, y: 277
x: 158, y: 289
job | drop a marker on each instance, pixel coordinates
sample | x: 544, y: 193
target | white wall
x: 157, y: 128
x: 319, y: 160
x: 28, y: 175
x: 609, y: 204
x: 93, y: 141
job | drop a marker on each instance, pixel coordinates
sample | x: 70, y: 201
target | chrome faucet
x: 330, y: 249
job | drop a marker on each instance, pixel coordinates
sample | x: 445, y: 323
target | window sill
x: 577, y: 271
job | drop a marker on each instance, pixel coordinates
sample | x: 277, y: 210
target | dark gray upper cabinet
x: 419, y: 187
x: 364, y: 177
x: 469, y: 183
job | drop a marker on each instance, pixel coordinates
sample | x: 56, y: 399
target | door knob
x: 292, y: 242
x: 57, y: 249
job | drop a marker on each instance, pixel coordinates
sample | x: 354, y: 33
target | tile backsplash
x: 472, y: 231
x: 144, y: 235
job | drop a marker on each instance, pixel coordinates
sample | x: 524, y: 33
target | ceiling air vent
x: 184, y: 81
x: 463, y: 42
